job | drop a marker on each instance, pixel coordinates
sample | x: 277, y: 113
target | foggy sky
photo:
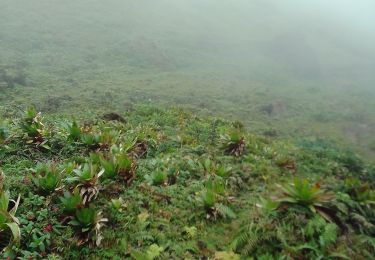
x: 320, y: 40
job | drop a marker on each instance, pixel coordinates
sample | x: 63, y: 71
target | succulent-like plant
x: 71, y: 201
x: 90, y: 139
x: 118, y: 165
x: 301, y: 192
x: 118, y: 204
x: 32, y: 125
x: 87, y: 177
x: 110, y: 167
x: 9, y: 225
x: 74, y: 132
x: 126, y: 168
x: 47, y: 177
x: 108, y: 138
x: 234, y: 144
x: 135, y: 147
x: 89, y: 222
x: 286, y: 163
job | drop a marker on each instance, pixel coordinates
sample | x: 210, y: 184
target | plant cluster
x: 159, y: 186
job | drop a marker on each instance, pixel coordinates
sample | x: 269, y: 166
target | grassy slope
x: 171, y: 218
x: 75, y: 61
x: 77, y: 64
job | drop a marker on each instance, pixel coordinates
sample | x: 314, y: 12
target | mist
x: 307, y: 59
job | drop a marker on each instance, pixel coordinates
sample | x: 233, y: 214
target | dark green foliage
x: 86, y: 180
x: 249, y: 238
x: 89, y: 222
x: 234, y: 143
x: 352, y: 162
x: 70, y: 201
x: 74, y: 132
x: 159, y: 178
x: 303, y: 193
x: 3, y: 131
x: 359, y: 191
x: 9, y: 224
x: 209, y: 199
x: 117, y: 165
x: 32, y: 124
x: 47, y: 177
x: 186, y: 199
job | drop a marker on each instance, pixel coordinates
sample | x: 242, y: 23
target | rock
x: 274, y: 108
x: 113, y: 117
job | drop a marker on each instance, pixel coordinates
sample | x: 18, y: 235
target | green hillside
x: 228, y: 59
x: 165, y: 184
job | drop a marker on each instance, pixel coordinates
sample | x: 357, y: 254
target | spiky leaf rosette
x: 32, y: 125
x: 235, y: 144
x: 88, y: 222
x: 74, y: 132
x: 117, y: 165
x: 302, y: 193
x: 88, y: 181
x: 47, y: 177
x: 9, y: 225
x: 126, y: 168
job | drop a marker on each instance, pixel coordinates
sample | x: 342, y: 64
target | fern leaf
x: 225, y: 211
x: 329, y: 235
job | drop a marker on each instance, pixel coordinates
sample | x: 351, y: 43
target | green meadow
x: 186, y: 130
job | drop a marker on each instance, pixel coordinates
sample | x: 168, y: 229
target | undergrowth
x: 165, y: 184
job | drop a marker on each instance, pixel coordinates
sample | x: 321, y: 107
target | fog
x: 230, y: 58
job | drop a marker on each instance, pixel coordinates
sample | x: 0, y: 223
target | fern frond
x: 225, y: 211
x: 315, y: 226
x: 243, y: 236
x: 249, y: 238
x: 329, y: 235
x: 361, y: 221
x: 251, y: 244
x: 339, y: 256
x: 367, y: 241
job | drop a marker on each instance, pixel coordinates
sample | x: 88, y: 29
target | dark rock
x: 267, y: 109
x: 274, y: 108
x: 270, y: 133
x: 10, y: 76
x: 113, y: 117
x: 53, y: 103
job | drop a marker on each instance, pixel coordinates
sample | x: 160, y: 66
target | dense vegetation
x: 288, y: 80
x: 166, y: 184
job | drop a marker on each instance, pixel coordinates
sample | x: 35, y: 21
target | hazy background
x: 294, y: 68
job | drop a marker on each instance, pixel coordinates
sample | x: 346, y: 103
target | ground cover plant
x: 166, y: 184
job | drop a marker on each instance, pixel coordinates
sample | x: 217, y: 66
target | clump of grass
x: 159, y: 178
